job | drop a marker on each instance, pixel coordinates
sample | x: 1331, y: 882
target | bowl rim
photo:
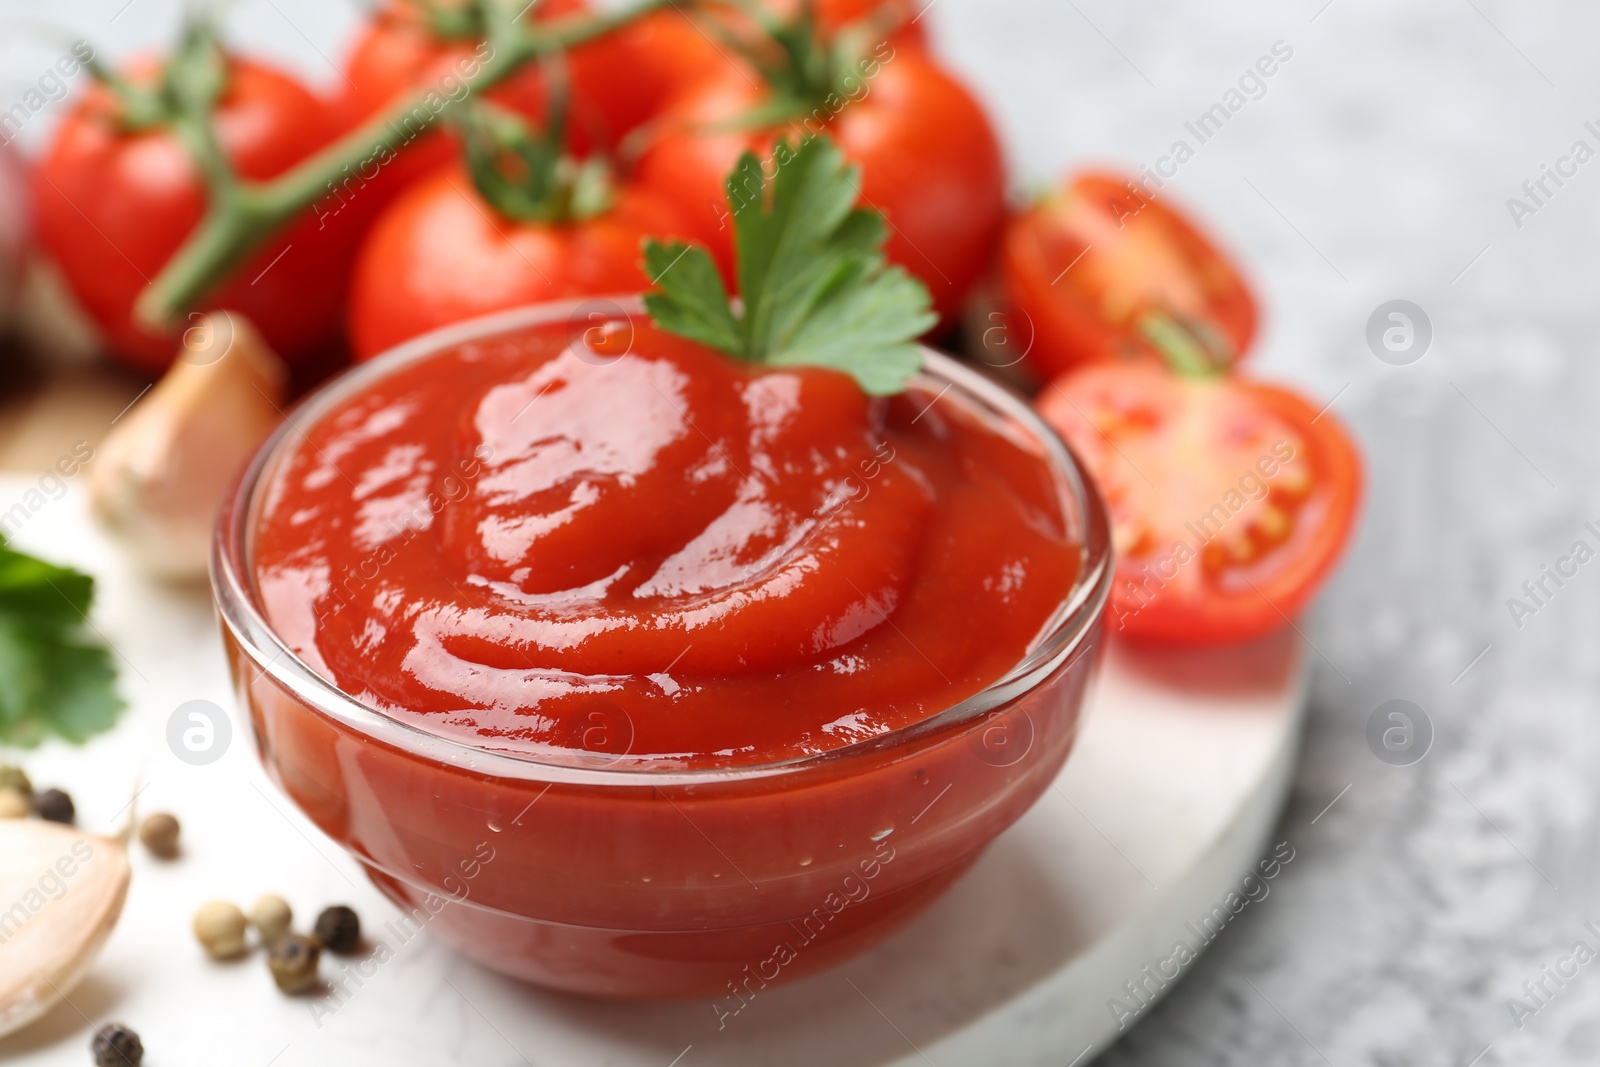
x: 233, y: 584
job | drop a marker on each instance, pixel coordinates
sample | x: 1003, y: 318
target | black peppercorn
x: 115, y: 1045
x: 54, y: 805
x: 339, y: 929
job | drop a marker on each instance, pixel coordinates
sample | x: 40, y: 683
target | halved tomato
x: 1103, y: 271
x: 1230, y: 500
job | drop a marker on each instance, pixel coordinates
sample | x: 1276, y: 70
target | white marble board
x: 1165, y: 805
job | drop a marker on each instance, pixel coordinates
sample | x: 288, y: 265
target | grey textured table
x: 1375, y: 163
x: 1378, y: 165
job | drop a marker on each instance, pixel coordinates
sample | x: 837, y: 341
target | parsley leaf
x: 813, y: 280
x: 53, y: 679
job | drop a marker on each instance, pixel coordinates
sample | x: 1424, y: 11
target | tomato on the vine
x: 521, y: 222
x: 408, y: 45
x: 903, y: 18
x: 1230, y: 500
x: 617, y: 81
x: 441, y: 253
x: 112, y: 204
x: 1102, y: 270
x: 664, y: 53
x: 928, y: 156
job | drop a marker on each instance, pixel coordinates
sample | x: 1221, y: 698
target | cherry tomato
x: 400, y: 50
x: 655, y: 58
x: 617, y: 82
x: 928, y: 156
x: 441, y: 254
x: 113, y: 206
x: 392, y: 54
x: 901, y: 18
x: 1230, y: 500
x: 1101, y: 270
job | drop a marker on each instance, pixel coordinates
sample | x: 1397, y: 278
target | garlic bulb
x: 161, y: 474
x: 61, y: 892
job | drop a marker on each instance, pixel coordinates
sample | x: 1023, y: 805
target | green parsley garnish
x: 814, y: 285
x: 53, y: 679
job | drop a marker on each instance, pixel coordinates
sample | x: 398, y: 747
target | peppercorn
x: 339, y: 929
x: 115, y: 1045
x: 54, y: 805
x: 159, y: 833
x: 14, y: 804
x: 271, y: 917
x: 15, y: 778
x: 220, y: 928
x: 292, y: 959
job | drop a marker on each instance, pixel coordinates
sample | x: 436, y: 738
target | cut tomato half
x: 1230, y: 500
x: 1102, y: 271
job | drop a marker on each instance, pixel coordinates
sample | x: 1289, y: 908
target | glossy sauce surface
x: 624, y: 544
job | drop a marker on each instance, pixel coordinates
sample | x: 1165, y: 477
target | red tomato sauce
x: 647, y: 548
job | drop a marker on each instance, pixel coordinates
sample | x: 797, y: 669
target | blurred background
x: 1378, y: 163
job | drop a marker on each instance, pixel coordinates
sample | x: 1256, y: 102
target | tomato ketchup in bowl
x: 636, y: 671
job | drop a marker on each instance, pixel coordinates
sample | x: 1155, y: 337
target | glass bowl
x: 596, y: 875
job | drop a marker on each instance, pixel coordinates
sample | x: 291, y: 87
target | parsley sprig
x: 53, y: 679
x: 814, y: 285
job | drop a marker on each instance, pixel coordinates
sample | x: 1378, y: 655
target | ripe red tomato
x: 617, y: 82
x: 655, y: 58
x: 112, y: 207
x: 905, y: 16
x: 394, y: 53
x: 441, y: 254
x: 1230, y: 500
x: 400, y: 50
x: 1101, y: 271
x: 928, y: 156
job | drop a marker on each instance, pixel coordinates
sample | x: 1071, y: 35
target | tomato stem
x: 189, y: 84
x: 525, y: 173
x: 802, y: 70
x: 1184, y: 353
x: 242, y: 214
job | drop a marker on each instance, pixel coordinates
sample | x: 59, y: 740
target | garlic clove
x: 161, y: 474
x: 61, y: 893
